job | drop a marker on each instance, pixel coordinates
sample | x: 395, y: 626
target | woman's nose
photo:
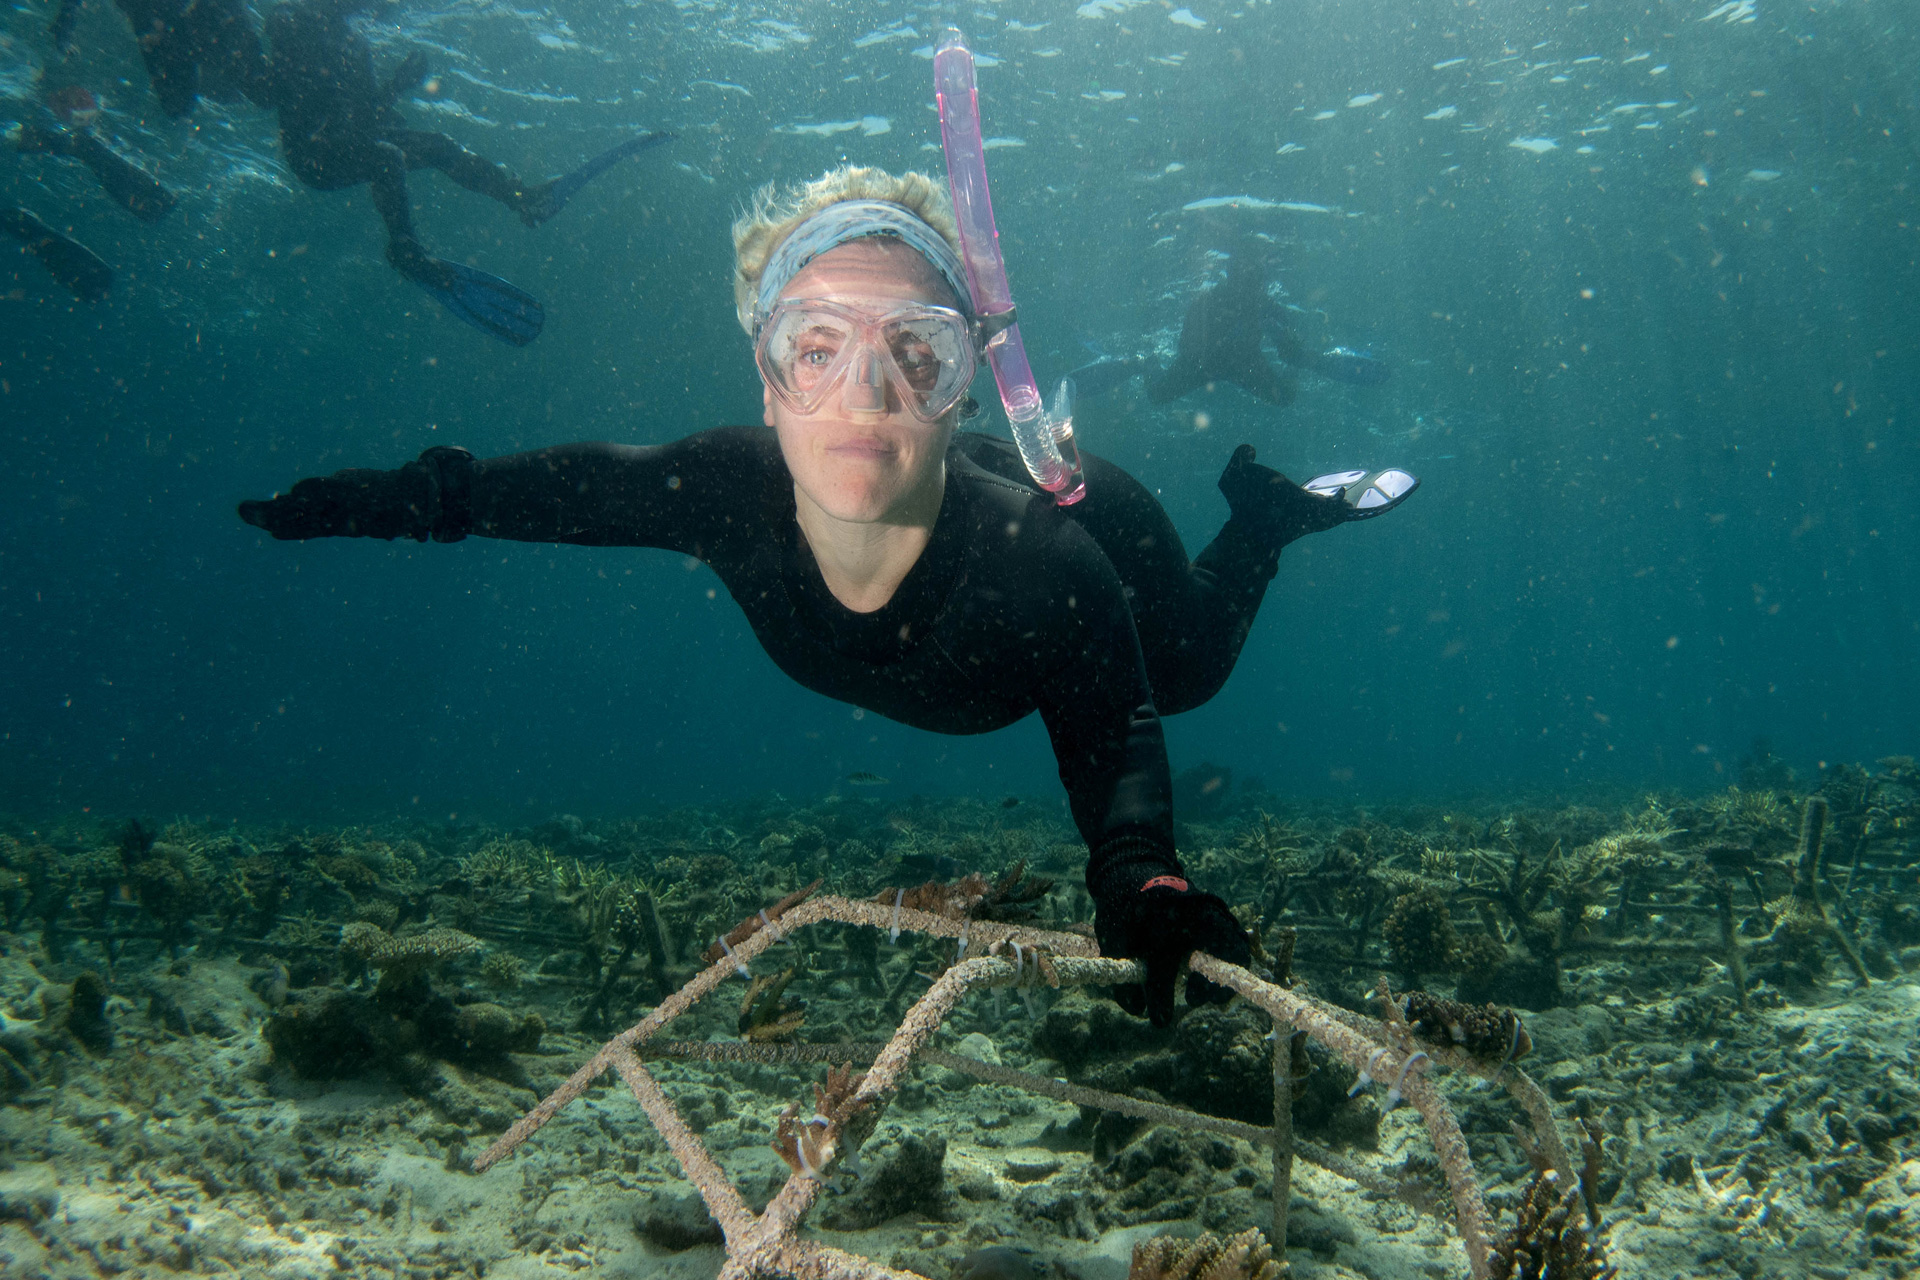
x: 866, y: 384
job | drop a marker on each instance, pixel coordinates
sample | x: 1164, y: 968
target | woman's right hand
x: 365, y: 503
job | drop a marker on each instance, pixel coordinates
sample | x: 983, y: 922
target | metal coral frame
x: 769, y: 1244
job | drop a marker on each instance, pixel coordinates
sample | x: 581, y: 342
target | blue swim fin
x: 486, y: 302
x: 544, y: 201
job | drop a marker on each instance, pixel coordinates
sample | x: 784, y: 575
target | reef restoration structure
x: 846, y: 1107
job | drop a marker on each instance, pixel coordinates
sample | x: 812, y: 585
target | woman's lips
x: 862, y: 449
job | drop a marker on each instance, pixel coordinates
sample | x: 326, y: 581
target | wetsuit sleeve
x: 686, y: 496
x: 1099, y: 711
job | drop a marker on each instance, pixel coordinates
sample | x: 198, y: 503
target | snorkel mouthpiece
x: 1045, y: 439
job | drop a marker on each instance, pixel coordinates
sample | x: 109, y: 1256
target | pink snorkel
x: 1045, y: 439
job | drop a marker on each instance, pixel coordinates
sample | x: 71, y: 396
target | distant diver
x: 41, y: 132
x: 66, y: 131
x: 1223, y: 336
x: 340, y: 127
x: 885, y: 559
x: 191, y: 48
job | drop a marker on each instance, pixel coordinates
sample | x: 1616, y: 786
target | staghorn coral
x: 724, y: 945
x: 810, y: 1146
x: 503, y: 970
x: 973, y: 897
x: 1549, y: 1239
x: 1245, y: 1256
x: 765, y: 1016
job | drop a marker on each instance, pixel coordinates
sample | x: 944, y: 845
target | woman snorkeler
x: 888, y: 561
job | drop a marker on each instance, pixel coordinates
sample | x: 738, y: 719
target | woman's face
x: 864, y: 457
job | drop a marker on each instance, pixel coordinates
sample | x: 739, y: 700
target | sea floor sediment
x: 229, y: 1049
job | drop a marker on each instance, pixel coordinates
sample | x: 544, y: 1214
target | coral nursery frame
x: 769, y: 1244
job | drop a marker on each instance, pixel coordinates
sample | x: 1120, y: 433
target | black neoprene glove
x: 1146, y: 911
x: 1274, y: 507
x: 429, y: 498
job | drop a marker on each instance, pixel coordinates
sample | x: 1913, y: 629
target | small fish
x: 1011, y: 802
x: 1450, y: 62
x: 1442, y: 113
x: 1363, y: 100
x: 862, y: 778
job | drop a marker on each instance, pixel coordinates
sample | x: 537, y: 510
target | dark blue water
x: 1661, y: 393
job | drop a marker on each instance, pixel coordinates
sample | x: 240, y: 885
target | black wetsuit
x: 339, y: 126
x: 191, y: 47
x: 1012, y: 608
x: 1015, y: 606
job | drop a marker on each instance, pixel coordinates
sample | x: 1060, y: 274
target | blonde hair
x: 772, y: 217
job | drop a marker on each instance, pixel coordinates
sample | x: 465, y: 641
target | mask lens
x: 934, y: 356
x: 801, y: 351
x: 806, y: 348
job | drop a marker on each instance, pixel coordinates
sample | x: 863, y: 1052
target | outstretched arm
x: 682, y: 496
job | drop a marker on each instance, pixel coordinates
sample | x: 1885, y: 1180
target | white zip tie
x: 1393, y: 1094
x: 738, y: 967
x: 1366, y: 1074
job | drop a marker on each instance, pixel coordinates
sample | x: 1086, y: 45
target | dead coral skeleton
x: 769, y: 1244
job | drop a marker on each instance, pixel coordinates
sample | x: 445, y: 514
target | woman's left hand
x: 1160, y: 921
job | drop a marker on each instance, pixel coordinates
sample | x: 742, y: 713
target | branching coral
x: 1550, y: 1240
x: 764, y: 1013
x: 840, y: 1122
x: 1246, y: 1256
x: 398, y: 960
x: 1489, y: 1032
x: 973, y: 897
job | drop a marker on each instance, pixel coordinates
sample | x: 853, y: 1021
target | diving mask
x: 806, y: 347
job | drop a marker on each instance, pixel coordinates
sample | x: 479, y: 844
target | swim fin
x: 66, y: 259
x: 539, y: 203
x: 1366, y: 493
x: 488, y: 303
